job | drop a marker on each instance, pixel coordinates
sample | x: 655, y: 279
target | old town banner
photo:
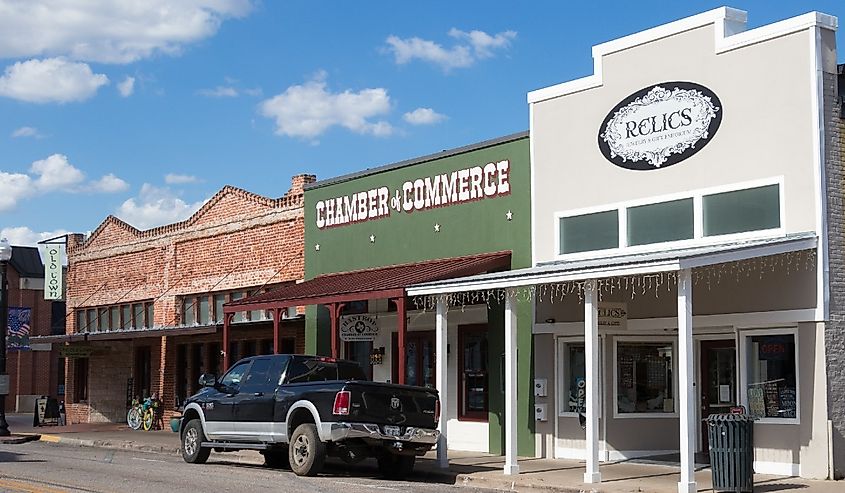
x: 53, y: 285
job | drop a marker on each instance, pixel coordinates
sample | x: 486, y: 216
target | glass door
x: 718, y: 380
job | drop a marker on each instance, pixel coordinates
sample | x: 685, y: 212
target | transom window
x: 703, y: 214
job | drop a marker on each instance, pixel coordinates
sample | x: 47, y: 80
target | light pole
x: 5, y: 255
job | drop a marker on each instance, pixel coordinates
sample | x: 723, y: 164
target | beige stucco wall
x: 766, y: 129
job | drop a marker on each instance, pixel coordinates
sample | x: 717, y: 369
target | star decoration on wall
x: 509, y: 215
x: 317, y: 247
x: 372, y: 238
x: 436, y: 228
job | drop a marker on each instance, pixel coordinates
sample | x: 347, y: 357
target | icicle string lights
x: 664, y: 283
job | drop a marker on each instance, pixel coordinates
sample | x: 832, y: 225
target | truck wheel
x: 192, y: 438
x: 277, y: 458
x: 306, y: 452
x: 396, y: 466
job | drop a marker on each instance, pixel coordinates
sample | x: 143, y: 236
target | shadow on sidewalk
x: 6, y: 456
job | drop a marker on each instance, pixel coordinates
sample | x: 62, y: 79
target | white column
x: 511, y: 464
x: 686, y: 379
x: 442, y: 377
x: 591, y: 367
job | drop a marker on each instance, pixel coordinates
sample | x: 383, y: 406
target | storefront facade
x: 146, y: 307
x: 680, y: 213
x: 444, y: 209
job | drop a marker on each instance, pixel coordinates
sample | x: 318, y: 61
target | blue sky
x: 149, y: 119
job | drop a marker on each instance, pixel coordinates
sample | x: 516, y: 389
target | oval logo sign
x: 660, y: 125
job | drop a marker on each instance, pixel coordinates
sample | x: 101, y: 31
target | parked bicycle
x: 147, y: 414
x: 135, y: 414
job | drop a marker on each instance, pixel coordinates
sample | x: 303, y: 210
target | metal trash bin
x: 731, y: 439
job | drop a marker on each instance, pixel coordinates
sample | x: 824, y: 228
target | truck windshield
x: 314, y: 370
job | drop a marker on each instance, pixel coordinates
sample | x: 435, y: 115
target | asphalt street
x: 39, y: 467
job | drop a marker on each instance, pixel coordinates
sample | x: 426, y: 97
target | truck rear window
x: 313, y: 370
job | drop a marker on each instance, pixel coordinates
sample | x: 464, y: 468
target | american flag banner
x: 17, y: 337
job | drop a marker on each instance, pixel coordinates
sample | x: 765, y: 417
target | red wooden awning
x: 378, y: 283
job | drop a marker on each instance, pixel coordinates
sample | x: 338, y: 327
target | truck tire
x: 192, y: 450
x: 393, y: 466
x: 277, y: 458
x: 306, y: 452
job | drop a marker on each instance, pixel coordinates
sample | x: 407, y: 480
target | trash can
x: 731, y: 439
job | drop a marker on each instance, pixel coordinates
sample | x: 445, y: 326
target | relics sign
x: 17, y: 335
x: 465, y: 185
x: 613, y: 315
x: 53, y: 286
x: 660, y: 125
x: 354, y: 328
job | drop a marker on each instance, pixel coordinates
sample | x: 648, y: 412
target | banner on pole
x: 53, y: 285
x: 17, y: 336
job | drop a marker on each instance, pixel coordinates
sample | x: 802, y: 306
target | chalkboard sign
x: 772, y: 399
x: 787, y: 402
x: 626, y: 372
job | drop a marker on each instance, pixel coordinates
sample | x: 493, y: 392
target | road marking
x: 371, y: 486
x: 51, y: 438
x: 148, y: 460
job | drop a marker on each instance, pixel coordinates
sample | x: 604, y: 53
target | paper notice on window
x: 724, y: 393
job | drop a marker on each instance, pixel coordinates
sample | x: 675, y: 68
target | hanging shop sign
x: 75, y: 351
x: 53, y: 285
x: 613, y: 315
x: 465, y: 185
x: 355, y: 328
x: 660, y: 125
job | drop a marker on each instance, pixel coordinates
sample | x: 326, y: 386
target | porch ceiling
x: 622, y: 265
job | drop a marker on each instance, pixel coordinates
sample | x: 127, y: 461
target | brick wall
x: 835, y: 328
x: 236, y: 241
x: 30, y: 372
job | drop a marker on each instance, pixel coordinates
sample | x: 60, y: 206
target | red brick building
x: 146, y: 306
x: 34, y: 372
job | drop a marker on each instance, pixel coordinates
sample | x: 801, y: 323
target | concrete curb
x: 470, y: 481
x: 109, y: 444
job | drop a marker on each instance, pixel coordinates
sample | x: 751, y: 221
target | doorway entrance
x: 718, y: 381
x: 419, y: 358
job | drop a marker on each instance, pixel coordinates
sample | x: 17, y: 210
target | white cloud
x: 24, y: 236
x: 126, y: 87
x: 27, y: 132
x: 109, y: 184
x: 470, y: 47
x: 55, y: 172
x: 219, y: 92
x: 423, y: 116
x: 52, y: 80
x: 309, y: 109
x: 177, y: 179
x: 52, y: 174
x: 155, y: 206
x: 110, y: 31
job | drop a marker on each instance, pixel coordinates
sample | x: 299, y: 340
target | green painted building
x: 457, y: 204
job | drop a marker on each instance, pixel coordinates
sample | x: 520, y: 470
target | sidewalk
x: 466, y: 469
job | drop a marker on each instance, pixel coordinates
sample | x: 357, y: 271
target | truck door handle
x: 258, y: 394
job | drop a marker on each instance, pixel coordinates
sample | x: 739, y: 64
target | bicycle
x: 134, y: 417
x: 151, y: 417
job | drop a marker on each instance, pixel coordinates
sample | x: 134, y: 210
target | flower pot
x: 174, y: 423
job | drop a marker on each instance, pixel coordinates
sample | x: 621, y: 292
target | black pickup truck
x: 297, y: 410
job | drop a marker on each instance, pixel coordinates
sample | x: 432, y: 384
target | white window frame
x: 698, y: 238
x: 744, y: 334
x: 562, y: 387
x: 656, y: 339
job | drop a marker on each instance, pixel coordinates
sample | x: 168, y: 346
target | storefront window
x: 114, y: 321
x: 81, y: 321
x: 752, y: 209
x: 188, y: 311
x: 656, y: 223
x: 589, y: 232
x: 219, y: 299
x: 204, y: 311
x: 138, y: 316
x: 239, y: 316
x: 644, y: 377
x: 103, y: 319
x: 473, y: 378
x: 771, y: 376
x: 126, y: 319
x: 150, y: 315
x: 573, y: 395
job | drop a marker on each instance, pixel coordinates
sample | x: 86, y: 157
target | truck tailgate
x: 387, y: 404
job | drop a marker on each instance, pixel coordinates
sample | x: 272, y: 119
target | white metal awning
x: 622, y: 265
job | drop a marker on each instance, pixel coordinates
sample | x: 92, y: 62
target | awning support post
x: 511, y: 462
x: 442, y: 360
x: 334, y: 309
x: 686, y: 380
x: 277, y: 340
x: 591, y: 366
x: 227, y: 320
x: 402, y: 325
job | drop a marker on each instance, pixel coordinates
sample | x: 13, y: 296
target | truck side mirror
x: 208, y: 380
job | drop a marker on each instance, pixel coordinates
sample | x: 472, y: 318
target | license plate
x: 391, y: 431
